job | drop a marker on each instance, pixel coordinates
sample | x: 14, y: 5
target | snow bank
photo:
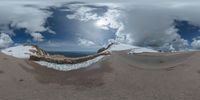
x: 20, y: 51
x: 141, y: 50
x: 68, y: 67
x: 120, y: 47
x: 133, y: 49
x: 24, y: 51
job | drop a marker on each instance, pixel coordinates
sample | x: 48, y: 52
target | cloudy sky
x: 87, y: 25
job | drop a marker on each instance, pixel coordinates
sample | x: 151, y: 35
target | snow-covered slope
x: 141, y: 50
x: 68, y: 67
x: 20, y: 51
x: 24, y: 51
x: 133, y: 49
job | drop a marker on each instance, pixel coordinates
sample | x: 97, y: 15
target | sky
x: 87, y: 25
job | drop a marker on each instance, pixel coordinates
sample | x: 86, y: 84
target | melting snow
x: 20, y: 51
x: 68, y: 67
x: 120, y: 47
x: 141, y: 50
x: 133, y: 49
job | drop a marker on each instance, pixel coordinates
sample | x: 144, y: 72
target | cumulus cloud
x: 5, y: 40
x: 37, y: 37
x: 110, y: 19
x: 153, y: 25
x: 83, y: 12
x: 85, y: 42
x: 144, y: 25
x: 196, y: 43
x: 27, y: 15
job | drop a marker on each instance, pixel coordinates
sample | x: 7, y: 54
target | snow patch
x: 24, y: 51
x: 141, y: 50
x: 20, y: 51
x: 68, y: 67
x: 133, y: 49
x: 120, y: 47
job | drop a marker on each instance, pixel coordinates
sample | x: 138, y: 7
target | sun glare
x: 101, y: 23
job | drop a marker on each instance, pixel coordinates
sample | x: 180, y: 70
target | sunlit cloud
x: 138, y: 23
x: 5, y: 40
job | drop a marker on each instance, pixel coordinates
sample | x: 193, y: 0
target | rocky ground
x: 146, y: 76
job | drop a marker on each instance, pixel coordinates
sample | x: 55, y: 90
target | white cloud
x: 110, y: 19
x: 153, y: 24
x: 139, y: 22
x: 144, y: 24
x: 81, y: 13
x: 196, y: 43
x: 27, y: 15
x: 5, y: 40
x: 117, y: 1
x: 85, y: 42
x: 37, y: 37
